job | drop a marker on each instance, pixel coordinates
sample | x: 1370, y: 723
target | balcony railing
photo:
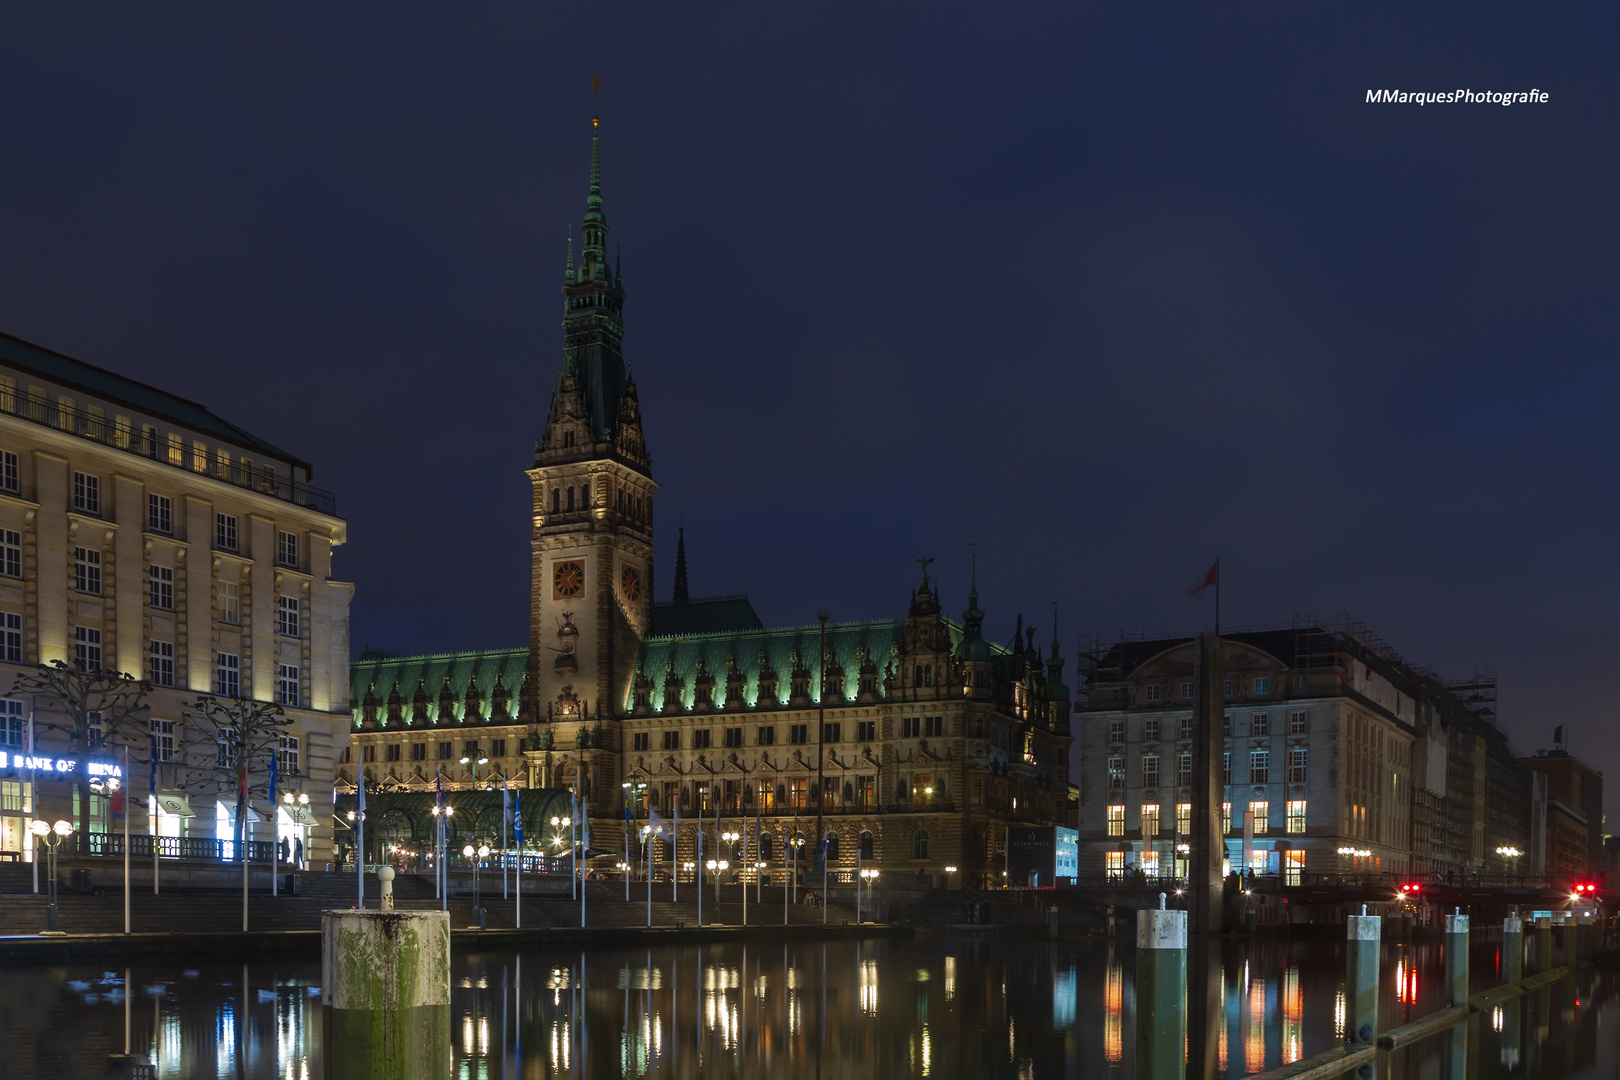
x: 108, y: 432
x: 173, y: 847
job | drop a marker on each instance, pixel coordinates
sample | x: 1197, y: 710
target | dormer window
x: 568, y: 438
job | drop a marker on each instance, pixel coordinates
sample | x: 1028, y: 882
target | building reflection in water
x: 934, y: 1007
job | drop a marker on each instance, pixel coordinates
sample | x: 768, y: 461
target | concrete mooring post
x: 1543, y: 945
x: 1161, y: 993
x: 1457, y: 958
x: 1512, y: 949
x: 1363, y: 939
x: 385, y: 988
x: 1572, y: 939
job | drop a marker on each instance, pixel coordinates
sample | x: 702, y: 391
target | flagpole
x: 518, y: 818
x: 360, y: 841
x: 675, y: 855
x: 1217, y: 595
x: 124, y: 780
x: 649, y: 874
x: 156, y: 822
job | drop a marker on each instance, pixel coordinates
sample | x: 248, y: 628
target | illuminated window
x: 1116, y: 864
x: 1262, y: 820
x: 1226, y: 817
x: 230, y: 602
x: 199, y: 455
x: 1116, y: 820
x: 1184, y: 768
x: 1116, y: 771
x: 1184, y: 818
x: 1150, y: 820
x: 1293, y: 866
x: 1296, y: 816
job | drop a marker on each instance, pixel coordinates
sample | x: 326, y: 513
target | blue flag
x: 151, y: 779
x: 274, y: 776
x: 517, y: 816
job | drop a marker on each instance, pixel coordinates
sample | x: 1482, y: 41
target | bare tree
x: 227, y: 745
x: 96, y: 709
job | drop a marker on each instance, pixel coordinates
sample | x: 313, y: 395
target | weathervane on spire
x: 596, y: 88
x: 923, y: 561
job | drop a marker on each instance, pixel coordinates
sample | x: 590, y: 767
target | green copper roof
x: 384, y: 669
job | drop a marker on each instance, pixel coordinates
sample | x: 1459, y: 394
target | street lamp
x: 730, y: 838
x: 1510, y: 852
x: 717, y: 867
x: 52, y: 835
x: 869, y: 876
x: 482, y: 853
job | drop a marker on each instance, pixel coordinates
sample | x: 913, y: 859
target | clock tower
x: 591, y: 547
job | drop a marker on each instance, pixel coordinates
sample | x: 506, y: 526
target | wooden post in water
x: 1161, y: 987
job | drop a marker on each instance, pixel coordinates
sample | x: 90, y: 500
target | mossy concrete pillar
x: 1161, y: 993
x: 385, y: 985
x: 1363, y: 940
x: 1512, y: 949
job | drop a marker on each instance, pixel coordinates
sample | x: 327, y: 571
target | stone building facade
x: 141, y: 533
x: 925, y: 743
x: 1338, y: 758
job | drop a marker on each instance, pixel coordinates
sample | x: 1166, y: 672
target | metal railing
x: 108, y: 432
x: 1428, y: 881
x: 208, y: 849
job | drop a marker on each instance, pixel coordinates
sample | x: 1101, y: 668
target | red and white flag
x: 1213, y: 577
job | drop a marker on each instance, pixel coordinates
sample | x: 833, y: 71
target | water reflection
x: 922, y: 1007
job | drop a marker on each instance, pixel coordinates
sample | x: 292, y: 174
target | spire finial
x: 683, y: 594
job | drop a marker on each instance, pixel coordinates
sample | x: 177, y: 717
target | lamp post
x: 730, y: 838
x: 441, y: 872
x: 717, y: 867
x: 1510, y: 852
x: 52, y: 835
x: 477, y: 856
x: 869, y: 878
x: 557, y: 825
x: 482, y: 759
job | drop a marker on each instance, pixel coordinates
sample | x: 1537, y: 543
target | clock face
x: 630, y: 585
x: 567, y: 580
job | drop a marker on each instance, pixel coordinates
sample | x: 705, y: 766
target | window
x: 163, y: 738
x: 287, y: 616
x: 1226, y: 817
x: 13, y: 728
x: 199, y: 456
x: 832, y: 732
x: 1226, y: 725
x: 418, y: 751
x: 798, y: 793
x: 230, y: 602
x: 910, y: 727
x: 1153, y: 692
x: 1184, y: 818
x: 227, y: 674
x: 391, y: 752
x: 286, y: 548
x: 177, y: 450
x: 10, y: 553
x: 734, y: 736
x: 1293, y: 867
x: 161, y: 670
x: 287, y: 755
x: 1116, y: 771
x: 87, y: 648
x: 149, y: 441
x: 1260, y: 724
x: 225, y: 532
x: 87, y: 570
x: 287, y: 685
x: 1150, y: 730
x: 1262, y: 685
x: 444, y: 751
x: 87, y: 493
x: 798, y: 734
x: 159, y: 513
x: 10, y: 476
x: 1150, y: 820
x: 1184, y: 768
x: 222, y: 462
x: 934, y: 726
x: 470, y: 749
x: 672, y: 740
x: 93, y: 727
x: 866, y: 730
x: 497, y: 748
x: 1296, y: 722
x: 1115, y: 861
x: 1296, y: 816
x: 11, y: 637
x: 1226, y: 687
x: 767, y: 735
x: 1150, y: 770
x: 1259, y: 766
x: 1116, y: 731
x: 924, y: 675
x: 1226, y: 767
x: 643, y: 740
x: 161, y: 591
x: 368, y: 753
x: 1298, y: 759
x: 1116, y: 820
x: 1186, y: 691
x: 700, y: 739
x: 1262, y: 819
x: 919, y: 844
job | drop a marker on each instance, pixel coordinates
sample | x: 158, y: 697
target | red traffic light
x: 1411, y: 887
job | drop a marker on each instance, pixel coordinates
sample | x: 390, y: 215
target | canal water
x: 928, y: 1006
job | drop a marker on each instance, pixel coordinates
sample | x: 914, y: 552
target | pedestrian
x: 298, y: 853
x: 281, y: 850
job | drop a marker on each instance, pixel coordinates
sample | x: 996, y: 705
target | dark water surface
x: 902, y: 1007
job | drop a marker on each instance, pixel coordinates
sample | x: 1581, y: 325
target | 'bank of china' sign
x: 58, y: 765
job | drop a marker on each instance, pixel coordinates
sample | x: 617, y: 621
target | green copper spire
x: 593, y: 263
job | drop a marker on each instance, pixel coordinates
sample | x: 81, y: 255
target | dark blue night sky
x: 1111, y: 288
